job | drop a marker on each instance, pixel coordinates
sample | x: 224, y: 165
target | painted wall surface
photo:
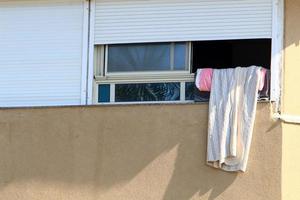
x: 291, y: 102
x: 138, y: 152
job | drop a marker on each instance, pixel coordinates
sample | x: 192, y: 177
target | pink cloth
x: 262, y: 80
x: 204, y: 78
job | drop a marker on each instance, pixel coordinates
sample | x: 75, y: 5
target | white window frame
x: 85, y: 53
x: 101, y: 68
x: 276, y: 58
x: 114, y: 78
x: 112, y: 92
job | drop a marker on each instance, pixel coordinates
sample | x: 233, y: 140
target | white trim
x: 277, y: 51
x: 105, y: 60
x: 104, y: 81
x: 112, y: 84
x: 182, y: 91
x: 112, y: 92
x: 90, y: 78
x: 147, y: 102
x: 150, y: 78
x: 294, y: 119
x: 95, y: 92
x: 131, y: 75
x: 85, y: 44
x: 145, y: 75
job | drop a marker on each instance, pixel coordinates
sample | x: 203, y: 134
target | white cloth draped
x: 232, y: 110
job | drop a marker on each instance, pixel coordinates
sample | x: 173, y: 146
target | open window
x: 229, y: 54
x: 164, y: 72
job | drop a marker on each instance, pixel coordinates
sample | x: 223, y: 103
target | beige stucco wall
x: 291, y: 102
x: 144, y: 152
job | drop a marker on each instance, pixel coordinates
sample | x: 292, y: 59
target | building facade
x: 72, y: 126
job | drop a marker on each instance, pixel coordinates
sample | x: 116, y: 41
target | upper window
x: 149, y: 57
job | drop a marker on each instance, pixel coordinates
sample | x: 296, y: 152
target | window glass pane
x: 201, y: 96
x: 139, y: 57
x: 147, y: 92
x: 104, y: 93
x: 190, y: 91
x: 193, y: 94
x: 180, y: 54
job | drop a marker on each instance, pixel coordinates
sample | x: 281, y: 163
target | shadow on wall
x: 145, y: 140
x: 152, y: 152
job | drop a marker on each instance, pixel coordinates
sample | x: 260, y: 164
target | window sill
x: 165, y: 103
x: 119, y: 104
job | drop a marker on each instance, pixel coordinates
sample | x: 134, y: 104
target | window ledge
x: 164, y: 103
x: 118, y: 104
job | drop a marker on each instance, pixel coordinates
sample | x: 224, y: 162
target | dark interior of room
x: 231, y: 53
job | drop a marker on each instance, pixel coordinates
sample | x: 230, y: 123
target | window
x: 163, y: 72
x: 233, y: 33
x: 145, y: 72
x: 232, y: 53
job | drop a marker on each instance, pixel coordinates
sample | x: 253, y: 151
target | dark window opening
x: 231, y: 53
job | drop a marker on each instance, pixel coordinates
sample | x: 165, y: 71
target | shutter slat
x: 131, y: 21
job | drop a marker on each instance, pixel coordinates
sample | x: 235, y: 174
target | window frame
x: 182, y: 98
x: 148, y: 75
x: 172, y: 63
x: 102, y: 76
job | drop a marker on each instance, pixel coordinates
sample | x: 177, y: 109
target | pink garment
x: 262, y: 80
x: 204, y: 78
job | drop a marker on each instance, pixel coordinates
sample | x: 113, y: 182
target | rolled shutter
x: 130, y: 21
x: 40, y: 52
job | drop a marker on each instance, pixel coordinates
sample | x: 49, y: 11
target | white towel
x: 197, y: 81
x: 232, y: 110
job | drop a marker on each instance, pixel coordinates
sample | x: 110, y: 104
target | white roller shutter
x: 129, y: 21
x: 40, y: 52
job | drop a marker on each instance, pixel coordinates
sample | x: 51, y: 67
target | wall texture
x: 291, y: 102
x: 148, y: 152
